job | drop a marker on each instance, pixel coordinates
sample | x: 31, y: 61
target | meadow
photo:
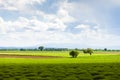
x: 101, y: 65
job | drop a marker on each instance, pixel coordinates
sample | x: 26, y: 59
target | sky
x: 60, y: 23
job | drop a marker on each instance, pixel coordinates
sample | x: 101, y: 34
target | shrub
x: 85, y: 51
x: 74, y: 54
x: 88, y: 50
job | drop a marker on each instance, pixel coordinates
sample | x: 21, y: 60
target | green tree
x: 41, y: 48
x: 88, y: 50
x: 85, y: 51
x: 105, y: 49
x: 74, y: 53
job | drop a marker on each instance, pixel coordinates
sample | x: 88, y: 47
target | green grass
x: 80, y: 59
x: 55, y: 53
x: 36, y: 53
x: 97, y: 57
x: 99, y: 66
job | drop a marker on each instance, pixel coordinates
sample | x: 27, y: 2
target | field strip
x: 26, y: 56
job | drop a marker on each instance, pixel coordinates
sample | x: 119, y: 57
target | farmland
x: 100, y: 66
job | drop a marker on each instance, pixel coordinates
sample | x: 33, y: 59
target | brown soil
x: 26, y: 56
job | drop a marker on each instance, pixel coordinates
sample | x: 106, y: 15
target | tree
x: 85, y: 51
x: 88, y: 50
x: 105, y: 49
x: 22, y: 49
x: 74, y: 53
x: 41, y: 48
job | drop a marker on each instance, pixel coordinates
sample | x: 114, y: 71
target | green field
x: 99, y: 66
x: 97, y: 57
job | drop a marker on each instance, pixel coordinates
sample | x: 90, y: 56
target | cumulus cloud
x: 43, y: 28
x: 18, y: 4
x: 64, y: 14
x: 32, y: 32
x: 82, y: 26
x: 23, y: 24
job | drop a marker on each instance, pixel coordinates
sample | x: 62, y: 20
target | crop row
x: 93, y: 71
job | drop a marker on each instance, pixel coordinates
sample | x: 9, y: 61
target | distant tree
x: 22, y: 49
x: 74, y: 53
x: 41, y: 48
x: 105, y: 49
x: 88, y: 50
x: 85, y: 51
x: 76, y: 48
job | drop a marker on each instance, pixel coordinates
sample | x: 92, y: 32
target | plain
x: 100, y: 65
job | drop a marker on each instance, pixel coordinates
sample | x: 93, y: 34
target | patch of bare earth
x: 26, y: 56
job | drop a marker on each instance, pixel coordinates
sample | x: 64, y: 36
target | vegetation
x: 88, y: 50
x: 105, y: 49
x: 97, y: 57
x: 53, y: 49
x: 74, y: 53
x: 102, y: 65
x: 41, y: 48
x: 96, y: 71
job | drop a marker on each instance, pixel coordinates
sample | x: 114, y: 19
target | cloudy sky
x: 60, y: 23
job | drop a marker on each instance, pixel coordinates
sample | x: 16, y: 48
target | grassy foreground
x: 88, y: 71
x: 99, y: 66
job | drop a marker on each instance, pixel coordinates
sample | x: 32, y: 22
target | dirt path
x: 26, y: 56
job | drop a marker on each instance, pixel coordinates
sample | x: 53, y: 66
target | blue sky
x: 60, y: 23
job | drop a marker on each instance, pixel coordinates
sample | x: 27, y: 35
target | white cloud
x: 36, y: 32
x: 18, y: 4
x: 31, y: 24
x: 43, y: 28
x: 61, y: 16
x: 82, y: 26
x: 25, y: 30
x: 63, y: 13
x: 80, y: 11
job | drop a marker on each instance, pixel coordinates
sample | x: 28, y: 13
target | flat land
x: 26, y: 56
x: 58, y: 65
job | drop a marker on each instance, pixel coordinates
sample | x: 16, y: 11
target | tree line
x: 42, y: 48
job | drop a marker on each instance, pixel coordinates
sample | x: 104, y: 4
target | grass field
x: 97, y: 57
x: 99, y: 66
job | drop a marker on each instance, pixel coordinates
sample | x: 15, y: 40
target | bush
x: 74, y: 54
x: 88, y: 50
x: 85, y: 51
